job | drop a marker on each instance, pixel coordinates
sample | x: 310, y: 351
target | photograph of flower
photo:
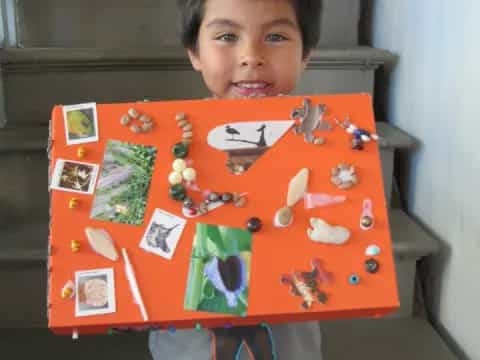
x: 74, y: 176
x: 123, y: 184
x: 95, y: 292
x: 219, y: 274
x: 81, y: 125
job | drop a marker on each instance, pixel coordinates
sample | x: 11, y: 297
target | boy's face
x: 249, y: 48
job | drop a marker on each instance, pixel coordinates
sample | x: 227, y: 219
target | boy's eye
x: 275, y: 37
x: 226, y: 37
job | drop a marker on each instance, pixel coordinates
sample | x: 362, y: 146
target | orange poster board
x: 275, y: 251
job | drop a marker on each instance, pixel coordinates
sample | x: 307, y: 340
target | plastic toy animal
x: 311, y: 119
x: 305, y: 284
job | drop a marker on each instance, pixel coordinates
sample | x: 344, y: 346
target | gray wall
x: 434, y: 96
x: 141, y: 23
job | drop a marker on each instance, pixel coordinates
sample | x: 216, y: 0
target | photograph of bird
x: 231, y: 131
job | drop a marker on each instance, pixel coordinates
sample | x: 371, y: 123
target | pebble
x: 145, y: 118
x: 213, y: 197
x: 135, y: 129
x: 187, y: 135
x: 133, y: 113
x: 125, y: 120
x: 180, y: 116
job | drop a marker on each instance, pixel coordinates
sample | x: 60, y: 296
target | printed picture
x: 74, y: 176
x: 245, y: 142
x: 163, y: 233
x: 219, y: 274
x: 81, y: 125
x: 95, y: 292
x: 123, y: 184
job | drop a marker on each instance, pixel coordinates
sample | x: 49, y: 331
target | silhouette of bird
x: 231, y: 131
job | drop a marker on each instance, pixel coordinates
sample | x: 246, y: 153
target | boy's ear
x: 194, y: 59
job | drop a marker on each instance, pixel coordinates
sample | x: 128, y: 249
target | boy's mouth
x: 252, y: 88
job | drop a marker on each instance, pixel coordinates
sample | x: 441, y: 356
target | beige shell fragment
x: 101, y: 243
x: 297, y: 187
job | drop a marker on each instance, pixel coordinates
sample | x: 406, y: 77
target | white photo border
x: 68, y: 108
x: 111, y: 308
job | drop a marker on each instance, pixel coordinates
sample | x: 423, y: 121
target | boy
x: 246, y: 48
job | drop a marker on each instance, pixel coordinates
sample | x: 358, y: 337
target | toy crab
x: 360, y: 136
x: 305, y: 284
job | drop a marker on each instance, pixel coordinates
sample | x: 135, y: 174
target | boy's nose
x: 252, y: 61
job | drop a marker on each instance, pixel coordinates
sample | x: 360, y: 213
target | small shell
x: 187, y: 135
x: 319, y: 141
x: 125, y: 120
x: 182, y: 123
x: 145, y: 118
x: 135, y: 129
x: 283, y: 217
x: 187, y: 127
x: 180, y: 116
x: 147, y: 126
x: 133, y: 113
x: 297, y: 187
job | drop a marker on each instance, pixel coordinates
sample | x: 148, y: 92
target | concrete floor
x: 391, y: 339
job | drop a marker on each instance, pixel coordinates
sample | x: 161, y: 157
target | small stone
x: 135, y: 129
x: 254, y: 224
x: 180, y: 116
x: 187, y: 135
x: 371, y: 266
x: 179, y: 165
x: 366, y: 222
x: 227, y: 197
x: 189, y: 174
x: 125, y: 120
x: 147, y: 126
x: 145, y: 118
x: 175, y: 178
x: 319, y: 141
x: 213, y: 197
x: 187, y: 127
x: 180, y: 150
x: 188, y: 203
x: 182, y: 123
x: 177, y: 192
x: 133, y: 113
x: 284, y: 216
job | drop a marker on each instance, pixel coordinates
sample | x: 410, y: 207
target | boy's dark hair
x: 308, y: 16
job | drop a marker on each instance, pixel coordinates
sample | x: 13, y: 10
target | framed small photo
x: 94, y: 292
x: 81, y: 125
x: 74, y: 176
x: 163, y: 233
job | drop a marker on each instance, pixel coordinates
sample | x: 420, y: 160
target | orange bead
x: 75, y: 245
x: 73, y: 203
x: 81, y: 152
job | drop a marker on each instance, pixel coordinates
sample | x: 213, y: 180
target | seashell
x: 133, y: 113
x: 322, y: 232
x: 101, y: 242
x: 283, y: 217
x: 297, y: 187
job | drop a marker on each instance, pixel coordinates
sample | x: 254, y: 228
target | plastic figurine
x: 360, y: 136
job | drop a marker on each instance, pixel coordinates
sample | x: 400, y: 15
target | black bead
x: 180, y: 150
x: 371, y: 266
x: 177, y: 192
x: 254, y: 224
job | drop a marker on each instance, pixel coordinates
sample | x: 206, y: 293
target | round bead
x: 188, y: 203
x: 254, y: 224
x: 227, y: 197
x: 371, y: 266
x: 213, y: 197
x: 175, y: 178
x: 179, y: 165
x: 81, y: 152
x: 189, y: 174
x: 180, y: 150
x: 354, y: 279
x: 177, y: 192
x: 366, y: 222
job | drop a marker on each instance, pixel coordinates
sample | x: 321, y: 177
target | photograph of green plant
x: 219, y: 274
x: 121, y: 193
